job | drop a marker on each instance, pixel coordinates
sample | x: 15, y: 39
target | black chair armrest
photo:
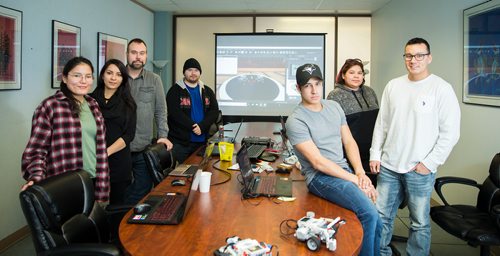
x: 495, y: 215
x: 118, y: 208
x: 117, y: 212
x: 452, y: 180
x: 496, y: 209
x: 84, y: 249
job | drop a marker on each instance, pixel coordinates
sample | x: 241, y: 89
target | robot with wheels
x: 316, y: 230
x: 246, y: 247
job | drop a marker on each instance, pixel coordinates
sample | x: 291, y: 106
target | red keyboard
x: 168, y: 208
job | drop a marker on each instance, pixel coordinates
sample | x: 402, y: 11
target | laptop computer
x: 270, y: 186
x: 216, y: 139
x: 167, y: 209
x: 215, y: 151
x: 188, y: 170
x: 203, y: 150
x: 256, y: 146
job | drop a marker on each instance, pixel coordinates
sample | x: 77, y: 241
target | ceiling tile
x: 263, y: 6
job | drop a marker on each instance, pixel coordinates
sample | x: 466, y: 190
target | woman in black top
x: 360, y: 106
x: 119, y: 111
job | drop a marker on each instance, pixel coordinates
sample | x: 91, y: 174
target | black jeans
x: 182, y: 152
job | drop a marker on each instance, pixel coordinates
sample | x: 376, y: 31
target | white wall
x: 439, y: 22
x: 116, y: 17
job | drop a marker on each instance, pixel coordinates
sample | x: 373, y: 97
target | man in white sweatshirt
x: 417, y: 127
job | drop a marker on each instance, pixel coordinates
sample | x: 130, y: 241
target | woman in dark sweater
x: 360, y: 106
x: 119, y: 111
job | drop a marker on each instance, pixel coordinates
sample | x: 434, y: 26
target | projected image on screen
x: 255, y: 73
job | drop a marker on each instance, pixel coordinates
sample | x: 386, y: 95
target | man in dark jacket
x: 192, y: 109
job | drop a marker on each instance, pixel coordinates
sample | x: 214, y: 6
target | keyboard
x: 182, y: 168
x: 267, y: 185
x: 255, y: 150
x: 167, y: 209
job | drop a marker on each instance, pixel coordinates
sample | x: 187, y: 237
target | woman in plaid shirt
x: 68, y: 132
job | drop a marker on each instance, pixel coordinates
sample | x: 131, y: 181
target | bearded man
x: 147, y: 91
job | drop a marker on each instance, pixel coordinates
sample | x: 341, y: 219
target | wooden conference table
x: 221, y: 213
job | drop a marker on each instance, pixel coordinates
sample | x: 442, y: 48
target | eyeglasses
x: 79, y: 76
x: 418, y: 56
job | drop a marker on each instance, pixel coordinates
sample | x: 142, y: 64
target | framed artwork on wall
x: 110, y: 47
x: 10, y: 48
x: 65, y: 46
x: 481, y: 74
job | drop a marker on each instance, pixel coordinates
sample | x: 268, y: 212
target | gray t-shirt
x: 323, y: 128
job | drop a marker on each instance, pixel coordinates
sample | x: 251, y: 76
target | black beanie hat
x: 191, y: 63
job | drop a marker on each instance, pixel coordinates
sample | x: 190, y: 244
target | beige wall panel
x: 195, y: 38
x: 354, y: 39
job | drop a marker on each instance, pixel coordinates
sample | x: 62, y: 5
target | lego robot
x: 313, y: 231
x: 246, y: 247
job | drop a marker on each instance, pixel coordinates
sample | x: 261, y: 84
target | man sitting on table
x: 317, y: 129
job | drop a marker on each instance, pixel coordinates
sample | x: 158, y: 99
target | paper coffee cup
x: 205, y: 181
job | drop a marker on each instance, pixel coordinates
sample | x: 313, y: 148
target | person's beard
x: 136, y: 65
x: 193, y: 81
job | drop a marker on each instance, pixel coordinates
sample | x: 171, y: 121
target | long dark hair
x: 123, y: 90
x: 74, y: 104
x: 347, y: 65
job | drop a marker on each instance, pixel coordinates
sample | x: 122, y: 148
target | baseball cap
x: 306, y: 71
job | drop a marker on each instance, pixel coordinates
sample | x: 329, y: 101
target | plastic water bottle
x: 221, y: 133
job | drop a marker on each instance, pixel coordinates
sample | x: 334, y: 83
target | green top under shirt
x: 89, y: 131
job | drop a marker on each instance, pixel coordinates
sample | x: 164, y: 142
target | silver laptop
x: 188, y: 170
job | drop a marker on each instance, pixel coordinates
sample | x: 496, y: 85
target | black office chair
x: 64, y: 218
x: 214, y: 128
x: 478, y: 225
x: 159, y: 162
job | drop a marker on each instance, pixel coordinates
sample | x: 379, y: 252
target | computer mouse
x: 178, y: 183
x: 142, y: 208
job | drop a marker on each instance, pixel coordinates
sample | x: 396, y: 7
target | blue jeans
x: 142, y: 183
x: 392, y: 188
x: 347, y: 195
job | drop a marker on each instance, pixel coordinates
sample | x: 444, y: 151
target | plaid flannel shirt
x: 55, y: 144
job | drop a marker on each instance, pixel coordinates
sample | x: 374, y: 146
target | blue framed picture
x: 482, y: 54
